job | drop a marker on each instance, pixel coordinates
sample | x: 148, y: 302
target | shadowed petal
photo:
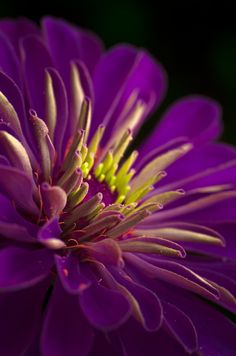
x: 137, y: 342
x: 66, y: 330
x: 8, y: 60
x: 105, y: 308
x: 69, y: 272
x: 181, y: 326
x: 149, y: 304
x: 20, y: 318
x: 22, y: 268
x: 17, y: 29
x: 35, y: 60
x: 11, y: 182
x: 66, y: 43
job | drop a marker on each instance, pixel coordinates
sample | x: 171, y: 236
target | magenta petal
x: 125, y: 70
x: 22, y: 268
x: 66, y: 330
x: 21, y: 313
x: 69, y: 272
x: 198, y: 118
x: 35, y: 60
x: 106, y: 309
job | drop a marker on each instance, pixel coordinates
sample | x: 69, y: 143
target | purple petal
x: 17, y: 29
x: 216, y: 333
x: 62, y: 111
x: 198, y: 118
x: 181, y: 327
x: 70, y: 274
x: 49, y: 234
x: 214, y: 163
x: 66, y: 330
x: 54, y: 199
x: 148, y: 302
x: 138, y: 342
x: 10, y: 216
x: 125, y: 70
x: 66, y: 43
x: 11, y: 182
x: 22, y: 268
x: 8, y: 60
x: 35, y: 60
x: 106, y: 309
x: 20, y: 318
x: 172, y: 273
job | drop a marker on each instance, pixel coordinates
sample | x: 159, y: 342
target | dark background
x: 194, y: 40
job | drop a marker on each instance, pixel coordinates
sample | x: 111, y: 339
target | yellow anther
x: 93, y: 146
x: 98, y: 170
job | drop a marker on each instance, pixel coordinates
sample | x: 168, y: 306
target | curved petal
x: 22, y: 268
x: 195, y: 117
x: 36, y: 59
x: 136, y: 341
x: 8, y: 61
x: 70, y: 274
x: 216, y: 333
x: 11, y: 182
x: 105, y: 308
x: 214, y: 163
x: 66, y: 330
x: 17, y: 29
x: 21, y: 313
x: 149, y: 303
x: 61, y: 101
x: 181, y: 327
x: 66, y: 43
x: 125, y: 74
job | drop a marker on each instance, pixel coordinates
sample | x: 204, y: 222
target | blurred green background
x: 194, y: 40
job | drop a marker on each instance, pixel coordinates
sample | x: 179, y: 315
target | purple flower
x: 106, y: 251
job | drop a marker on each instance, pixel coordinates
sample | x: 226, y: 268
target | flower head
x: 105, y: 250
